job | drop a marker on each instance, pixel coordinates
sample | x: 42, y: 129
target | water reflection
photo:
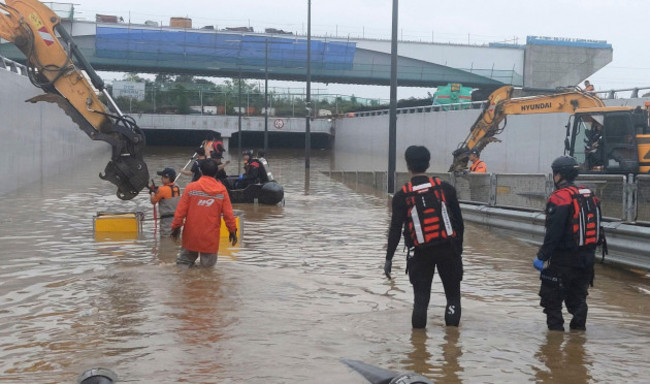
x: 303, y: 289
x: 564, y: 358
x: 438, y: 362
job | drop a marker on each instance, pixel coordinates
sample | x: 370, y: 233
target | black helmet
x: 248, y: 152
x: 566, y: 166
x: 474, y: 152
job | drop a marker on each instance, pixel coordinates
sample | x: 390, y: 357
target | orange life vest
x: 586, y: 216
x: 428, y: 222
x: 478, y: 166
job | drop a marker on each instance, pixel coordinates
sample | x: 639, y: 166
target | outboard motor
x: 267, y: 171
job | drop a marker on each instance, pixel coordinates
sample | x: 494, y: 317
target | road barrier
x: 515, y: 203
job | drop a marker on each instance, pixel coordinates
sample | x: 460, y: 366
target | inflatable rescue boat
x: 267, y: 191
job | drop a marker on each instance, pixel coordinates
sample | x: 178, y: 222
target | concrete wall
x: 529, y: 143
x: 466, y: 57
x: 227, y: 125
x: 37, y: 140
x: 550, y: 66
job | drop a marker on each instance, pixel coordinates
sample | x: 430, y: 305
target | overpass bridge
x: 543, y: 62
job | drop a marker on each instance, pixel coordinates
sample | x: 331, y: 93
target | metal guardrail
x: 642, y: 200
x: 628, y: 244
x: 477, y: 188
x: 423, y: 109
x: 514, y: 204
x: 605, y: 95
x: 521, y: 190
x: 624, y: 198
x: 12, y: 66
x: 613, y: 192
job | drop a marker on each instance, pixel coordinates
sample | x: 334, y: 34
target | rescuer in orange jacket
x: 478, y: 166
x: 213, y: 143
x: 167, y: 197
x: 201, y: 207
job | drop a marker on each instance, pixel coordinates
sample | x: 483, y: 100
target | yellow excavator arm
x: 51, y: 55
x: 501, y: 104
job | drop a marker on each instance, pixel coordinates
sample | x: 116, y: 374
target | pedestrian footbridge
x: 543, y: 62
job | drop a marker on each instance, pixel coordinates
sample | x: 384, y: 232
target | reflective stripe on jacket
x: 201, y: 207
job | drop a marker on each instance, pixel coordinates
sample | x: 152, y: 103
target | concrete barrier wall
x: 227, y: 125
x: 38, y: 140
x: 529, y: 142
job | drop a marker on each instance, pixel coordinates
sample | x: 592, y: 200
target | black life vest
x: 585, y: 217
x: 428, y: 222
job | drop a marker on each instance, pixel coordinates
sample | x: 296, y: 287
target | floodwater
x: 302, y: 290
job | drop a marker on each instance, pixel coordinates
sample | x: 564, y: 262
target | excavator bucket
x: 129, y: 174
x: 127, y: 169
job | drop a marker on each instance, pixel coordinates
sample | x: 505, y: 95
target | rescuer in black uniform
x: 252, y: 171
x: 443, y: 244
x: 566, y: 265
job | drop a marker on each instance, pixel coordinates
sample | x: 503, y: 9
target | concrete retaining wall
x: 529, y: 142
x: 38, y: 140
x: 362, y: 142
x: 228, y: 125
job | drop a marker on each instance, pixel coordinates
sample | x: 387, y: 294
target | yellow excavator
x: 603, y: 139
x: 55, y: 65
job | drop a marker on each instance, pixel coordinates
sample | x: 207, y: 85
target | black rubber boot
x: 419, y: 317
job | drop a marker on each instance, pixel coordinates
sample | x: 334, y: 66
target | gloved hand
x: 152, y: 188
x: 233, y: 238
x: 241, y: 177
x: 388, y: 266
x: 539, y: 264
x: 175, y: 233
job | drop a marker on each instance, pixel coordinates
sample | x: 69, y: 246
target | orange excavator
x: 603, y: 139
x: 55, y: 65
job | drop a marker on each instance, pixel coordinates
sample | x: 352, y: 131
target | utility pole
x: 308, y: 96
x: 392, y: 119
x: 239, y: 138
x: 266, y: 96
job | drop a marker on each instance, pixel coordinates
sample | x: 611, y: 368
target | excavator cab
x: 605, y: 141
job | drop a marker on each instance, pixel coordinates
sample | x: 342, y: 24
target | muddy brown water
x: 302, y: 290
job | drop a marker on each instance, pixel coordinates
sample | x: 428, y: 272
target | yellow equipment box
x: 224, y: 230
x: 118, y: 222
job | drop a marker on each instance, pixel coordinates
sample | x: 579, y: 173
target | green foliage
x: 176, y: 94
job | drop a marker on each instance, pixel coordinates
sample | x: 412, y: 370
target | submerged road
x: 304, y: 289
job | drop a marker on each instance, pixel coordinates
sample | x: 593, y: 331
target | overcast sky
x: 622, y: 23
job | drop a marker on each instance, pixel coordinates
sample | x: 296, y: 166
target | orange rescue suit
x: 478, y: 166
x: 203, y: 203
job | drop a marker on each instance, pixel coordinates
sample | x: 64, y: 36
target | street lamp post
x: 392, y: 119
x: 239, y: 139
x: 266, y: 96
x: 308, y: 91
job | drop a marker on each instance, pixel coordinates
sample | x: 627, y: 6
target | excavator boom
x: 501, y: 104
x: 51, y: 55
